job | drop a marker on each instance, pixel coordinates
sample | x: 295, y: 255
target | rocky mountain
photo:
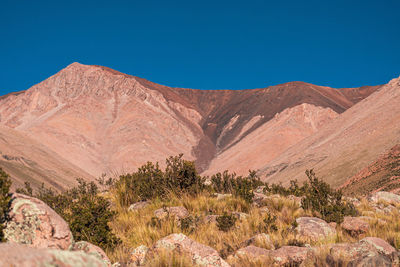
x: 346, y: 145
x: 104, y: 121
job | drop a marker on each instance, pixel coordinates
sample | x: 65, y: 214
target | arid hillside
x: 383, y: 174
x: 104, y: 121
x: 27, y: 160
x: 348, y: 144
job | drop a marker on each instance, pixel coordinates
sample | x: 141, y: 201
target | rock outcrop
x: 35, y: 224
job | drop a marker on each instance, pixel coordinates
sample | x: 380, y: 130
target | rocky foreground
x: 37, y: 236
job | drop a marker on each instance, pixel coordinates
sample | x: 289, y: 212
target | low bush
x: 5, y: 200
x: 150, y: 182
x: 226, y: 222
x: 325, y: 201
x: 237, y: 185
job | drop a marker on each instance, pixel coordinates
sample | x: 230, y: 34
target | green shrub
x: 5, y: 200
x: 239, y: 186
x: 226, y: 222
x: 150, y: 182
x: 87, y: 213
x: 325, y: 201
x: 293, y: 189
x: 189, y: 224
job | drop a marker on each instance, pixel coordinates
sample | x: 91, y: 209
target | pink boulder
x: 25, y: 256
x: 355, y: 226
x: 200, y: 254
x: 36, y: 224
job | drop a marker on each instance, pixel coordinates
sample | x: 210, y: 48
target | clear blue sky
x: 204, y: 44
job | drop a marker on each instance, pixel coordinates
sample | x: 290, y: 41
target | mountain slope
x: 348, y: 144
x: 102, y: 120
x: 272, y: 138
x: 28, y: 161
x: 382, y: 175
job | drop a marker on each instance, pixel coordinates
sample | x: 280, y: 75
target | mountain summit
x: 104, y: 121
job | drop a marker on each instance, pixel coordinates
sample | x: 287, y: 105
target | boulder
x: 91, y: 249
x: 284, y: 256
x: 388, y: 197
x: 260, y: 240
x: 380, y: 245
x: 313, y: 229
x: 138, y: 205
x: 291, y: 255
x: 176, y: 212
x: 200, y: 254
x: 355, y: 226
x: 252, y: 252
x: 34, y: 223
x: 371, y: 261
x: 138, y: 256
x: 26, y: 256
x: 342, y: 252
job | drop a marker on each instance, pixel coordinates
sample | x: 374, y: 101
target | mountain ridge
x: 102, y: 120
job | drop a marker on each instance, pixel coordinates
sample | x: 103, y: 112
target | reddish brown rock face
x: 100, y: 120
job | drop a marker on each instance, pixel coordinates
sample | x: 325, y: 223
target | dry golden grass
x: 134, y: 228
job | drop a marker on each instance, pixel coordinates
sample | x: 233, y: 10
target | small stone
x: 177, y: 212
x: 138, y: 256
x: 221, y: 196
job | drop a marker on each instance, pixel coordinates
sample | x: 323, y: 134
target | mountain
x: 271, y: 138
x: 104, y: 121
x: 346, y: 145
x: 24, y: 159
